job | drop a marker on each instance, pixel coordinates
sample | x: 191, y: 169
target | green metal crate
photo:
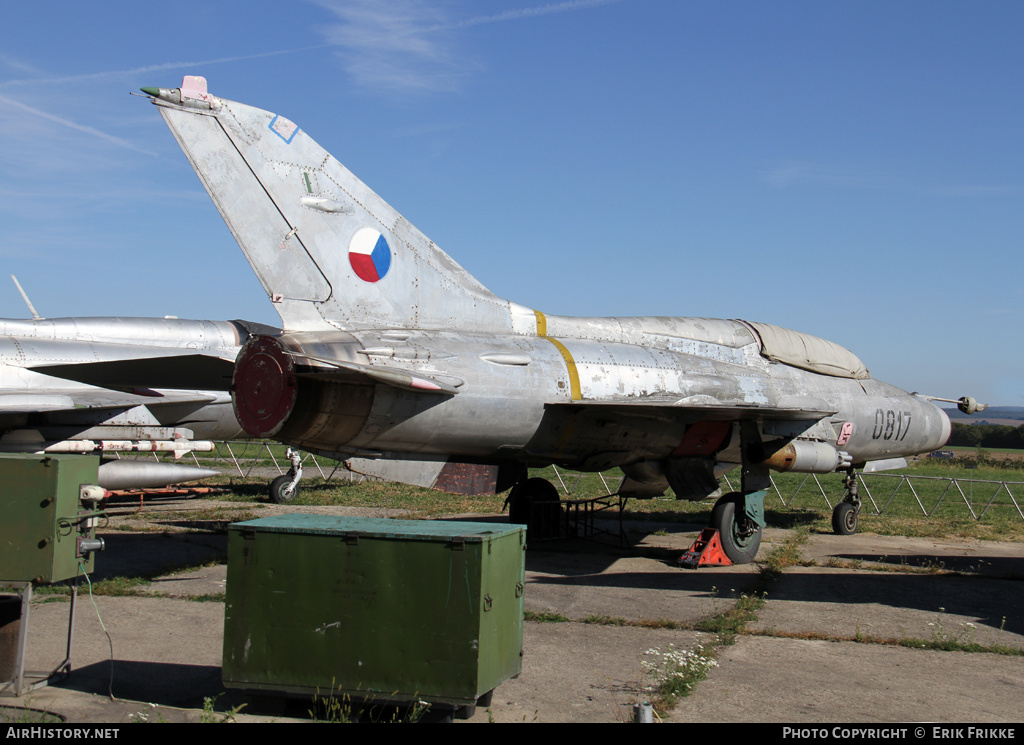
x: 392, y: 610
x: 42, y: 521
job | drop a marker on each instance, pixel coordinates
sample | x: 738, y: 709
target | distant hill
x: 991, y: 415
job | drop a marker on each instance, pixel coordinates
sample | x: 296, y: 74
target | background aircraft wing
x: 20, y: 402
x: 188, y: 371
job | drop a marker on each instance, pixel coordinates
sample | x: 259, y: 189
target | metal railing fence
x: 885, y: 492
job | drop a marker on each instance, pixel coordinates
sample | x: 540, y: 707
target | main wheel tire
x: 739, y: 541
x: 541, y: 522
x: 278, y: 487
x: 518, y: 504
x: 844, y: 519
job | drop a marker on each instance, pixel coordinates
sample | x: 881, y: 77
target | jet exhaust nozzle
x: 265, y: 386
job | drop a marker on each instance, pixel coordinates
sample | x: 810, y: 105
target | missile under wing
x: 392, y: 354
x: 65, y: 386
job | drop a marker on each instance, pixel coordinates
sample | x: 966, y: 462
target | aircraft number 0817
x: 890, y: 425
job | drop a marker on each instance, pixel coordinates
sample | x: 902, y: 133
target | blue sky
x: 849, y: 169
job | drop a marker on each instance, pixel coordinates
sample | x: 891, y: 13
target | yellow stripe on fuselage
x: 542, y: 323
x: 570, y: 363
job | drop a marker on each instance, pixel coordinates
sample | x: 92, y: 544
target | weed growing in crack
x: 675, y: 672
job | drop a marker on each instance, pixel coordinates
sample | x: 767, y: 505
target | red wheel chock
x: 705, y: 551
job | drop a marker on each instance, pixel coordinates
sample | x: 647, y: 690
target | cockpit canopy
x: 807, y: 352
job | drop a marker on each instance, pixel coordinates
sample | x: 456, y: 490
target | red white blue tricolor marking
x: 369, y: 255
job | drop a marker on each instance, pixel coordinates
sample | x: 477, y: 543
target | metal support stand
x: 28, y: 680
x: 580, y: 514
x: 575, y: 518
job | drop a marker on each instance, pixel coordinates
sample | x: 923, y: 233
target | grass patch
x: 418, y: 502
x: 213, y: 597
x: 787, y: 555
x: 120, y: 586
x: 603, y: 620
x: 125, y: 586
x: 950, y: 645
x: 40, y: 592
x: 113, y: 587
x: 341, y: 708
x: 643, y: 623
x: 211, y: 519
x: 942, y: 645
x: 210, y: 716
x: 17, y: 715
x: 931, y: 567
x: 545, y: 617
x: 659, y: 623
x: 728, y: 624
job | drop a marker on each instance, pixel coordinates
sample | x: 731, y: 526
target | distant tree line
x: 987, y: 436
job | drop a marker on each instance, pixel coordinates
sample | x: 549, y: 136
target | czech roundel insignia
x: 369, y: 255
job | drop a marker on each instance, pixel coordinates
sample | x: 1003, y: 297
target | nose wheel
x: 845, y: 514
x: 844, y: 519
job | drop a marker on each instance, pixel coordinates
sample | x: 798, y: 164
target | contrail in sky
x: 515, y: 15
x: 151, y: 68
x: 394, y: 45
x: 73, y: 125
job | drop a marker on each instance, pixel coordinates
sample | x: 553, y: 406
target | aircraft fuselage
x: 526, y: 398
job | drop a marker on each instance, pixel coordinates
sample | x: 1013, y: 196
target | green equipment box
x: 387, y: 610
x: 46, y: 531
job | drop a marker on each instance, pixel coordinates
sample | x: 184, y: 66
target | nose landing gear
x: 845, y: 513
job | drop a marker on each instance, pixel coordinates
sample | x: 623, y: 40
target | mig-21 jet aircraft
x: 391, y: 351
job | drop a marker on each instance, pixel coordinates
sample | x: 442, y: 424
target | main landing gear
x: 286, y: 486
x: 535, y: 504
x: 739, y: 519
x: 845, y: 514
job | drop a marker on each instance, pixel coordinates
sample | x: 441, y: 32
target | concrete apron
x: 814, y: 654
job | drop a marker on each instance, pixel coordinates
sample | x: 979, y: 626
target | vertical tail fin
x: 328, y: 250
